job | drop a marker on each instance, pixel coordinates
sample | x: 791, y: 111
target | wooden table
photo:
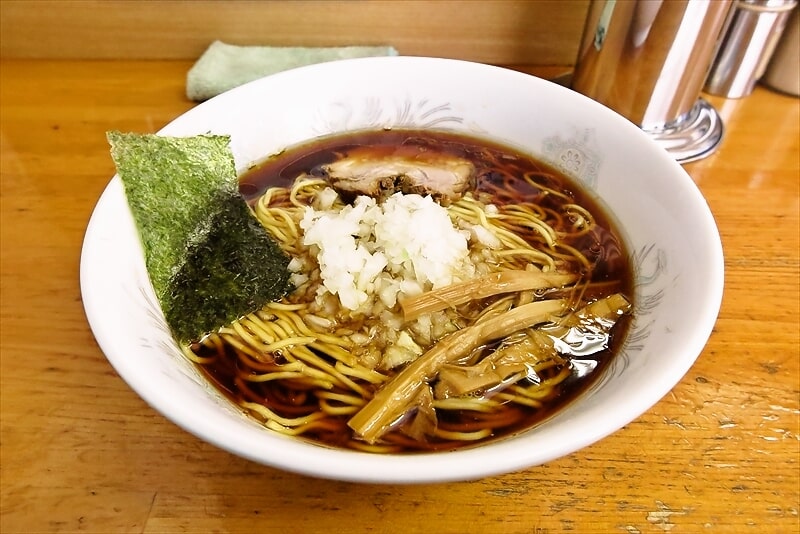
x: 81, y: 452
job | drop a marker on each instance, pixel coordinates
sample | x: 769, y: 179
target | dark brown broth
x: 602, y: 247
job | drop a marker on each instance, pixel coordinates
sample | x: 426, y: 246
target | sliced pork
x: 364, y: 172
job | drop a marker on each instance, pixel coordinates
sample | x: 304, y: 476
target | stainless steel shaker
x: 648, y: 61
x: 749, y: 39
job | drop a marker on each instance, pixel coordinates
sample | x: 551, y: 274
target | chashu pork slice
x: 379, y: 174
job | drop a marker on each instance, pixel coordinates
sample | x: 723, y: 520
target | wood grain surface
x: 80, y: 452
x: 539, y: 32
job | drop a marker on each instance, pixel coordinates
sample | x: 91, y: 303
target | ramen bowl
x: 667, y: 227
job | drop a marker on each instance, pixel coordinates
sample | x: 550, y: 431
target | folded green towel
x: 225, y: 66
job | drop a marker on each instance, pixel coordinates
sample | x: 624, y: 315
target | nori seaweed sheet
x: 209, y: 259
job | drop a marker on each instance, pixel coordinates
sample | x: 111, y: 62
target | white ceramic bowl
x: 668, y: 227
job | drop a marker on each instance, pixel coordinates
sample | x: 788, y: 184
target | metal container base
x: 694, y: 136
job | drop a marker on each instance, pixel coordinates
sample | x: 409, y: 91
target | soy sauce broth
x: 499, y: 169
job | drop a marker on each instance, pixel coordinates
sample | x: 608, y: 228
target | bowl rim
x: 463, y: 464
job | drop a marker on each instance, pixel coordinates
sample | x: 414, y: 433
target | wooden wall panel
x: 536, y: 32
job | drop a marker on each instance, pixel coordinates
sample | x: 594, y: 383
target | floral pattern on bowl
x: 576, y: 156
x: 374, y: 113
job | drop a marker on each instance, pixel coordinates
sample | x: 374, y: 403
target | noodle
x: 303, y: 367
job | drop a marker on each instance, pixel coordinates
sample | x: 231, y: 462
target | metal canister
x: 647, y: 60
x: 749, y: 39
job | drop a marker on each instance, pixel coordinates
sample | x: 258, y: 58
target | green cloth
x: 225, y: 66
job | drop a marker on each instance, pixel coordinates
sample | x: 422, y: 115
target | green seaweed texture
x: 209, y: 259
